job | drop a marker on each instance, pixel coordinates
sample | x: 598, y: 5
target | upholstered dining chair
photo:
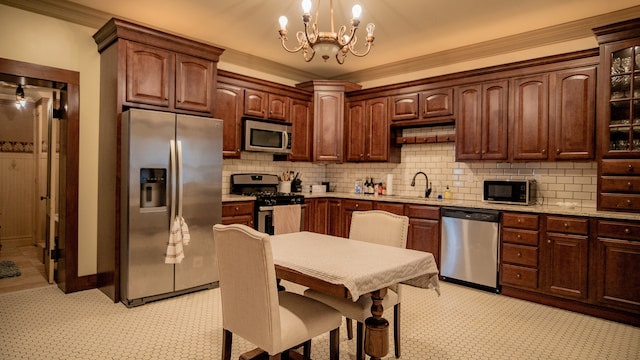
x: 380, y: 227
x: 253, y: 308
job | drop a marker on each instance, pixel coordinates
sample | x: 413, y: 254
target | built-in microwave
x: 517, y: 192
x: 267, y: 136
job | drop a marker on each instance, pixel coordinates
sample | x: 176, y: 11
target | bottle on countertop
x: 447, y: 193
x: 358, y: 187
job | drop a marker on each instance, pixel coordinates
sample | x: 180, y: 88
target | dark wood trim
x: 572, y: 305
x: 69, y: 170
x: 248, y: 82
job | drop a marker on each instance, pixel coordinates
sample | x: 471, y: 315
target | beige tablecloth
x: 360, y: 266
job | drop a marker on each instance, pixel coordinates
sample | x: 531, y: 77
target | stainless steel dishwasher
x: 469, y: 249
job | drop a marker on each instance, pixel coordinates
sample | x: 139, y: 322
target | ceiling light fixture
x: 327, y: 44
x: 20, y: 99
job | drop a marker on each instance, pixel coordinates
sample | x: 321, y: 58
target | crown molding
x: 579, y: 29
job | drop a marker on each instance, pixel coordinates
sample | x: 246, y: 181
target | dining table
x: 351, y: 268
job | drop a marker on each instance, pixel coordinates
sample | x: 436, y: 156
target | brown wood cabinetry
x: 404, y: 107
x: 619, y: 117
x: 301, y: 130
x: 572, y: 117
x: 617, y: 262
x: 482, y: 122
x: 424, y: 229
x: 321, y: 220
x: 266, y: 105
x: 168, y: 79
x: 336, y: 218
x: 436, y: 103
x: 565, y: 257
x: 394, y: 208
x: 309, y: 215
x: 519, y: 250
x: 367, y: 132
x: 238, y: 212
x: 530, y: 118
x: 228, y: 107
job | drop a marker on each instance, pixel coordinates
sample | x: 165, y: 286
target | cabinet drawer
x: 525, y: 237
x: 237, y: 208
x: 620, y: 167
x: 520, y: 221
x: 423, y: 212
x: 567, y: 225
x: 519, y: 276
x: 393, y: 208
x: 520, y: 254
x: 627, y: 184
x: 619, y: 230
x: 628, y: 202
x: 357, y: 205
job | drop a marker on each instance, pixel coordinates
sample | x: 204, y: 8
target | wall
x: 42, y: 40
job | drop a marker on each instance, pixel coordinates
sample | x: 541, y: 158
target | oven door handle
x: 270, y: 208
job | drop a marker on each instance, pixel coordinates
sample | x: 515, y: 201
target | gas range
x: 265, y: 188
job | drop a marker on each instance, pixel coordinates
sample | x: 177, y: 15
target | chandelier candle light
x: 330, y: 43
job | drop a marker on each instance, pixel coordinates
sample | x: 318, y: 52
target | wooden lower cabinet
x: 519, y: 250
x: 321, y: 220
x: 336, y: 218
x: 565, y: 257
x: 238, y: 212
x: 309, y: 214
x: 617, y: 262
x: 424, y: 229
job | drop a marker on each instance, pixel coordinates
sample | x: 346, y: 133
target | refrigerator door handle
x: 180, y: 178
x: 172, y: 171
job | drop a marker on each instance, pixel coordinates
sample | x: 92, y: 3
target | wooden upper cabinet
x: 255, y: 103
x: 436, y: 103
x: 167, y: 79
x: 404, y: 107
x: 482, y: 123
x: 328, y: 126
x: 266, y: 105
x: 149, y: 74
x: 354, y: 131
x: 301, y: 130
x: 194, y: 83
x: 367, y: 130
x: 531, y: 118
x: 572, y: 114
x: 229, y: 101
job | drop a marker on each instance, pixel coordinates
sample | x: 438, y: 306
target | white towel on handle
x: 178, y: 236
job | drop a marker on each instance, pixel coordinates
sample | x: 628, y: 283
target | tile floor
x: 462, y: 323
x: 28, y: 259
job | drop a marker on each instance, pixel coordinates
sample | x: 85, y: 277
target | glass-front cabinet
x: 623, y: 65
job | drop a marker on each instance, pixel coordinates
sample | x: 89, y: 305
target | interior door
x: 51, y: 196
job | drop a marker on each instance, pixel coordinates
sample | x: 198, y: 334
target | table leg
x: 376, y: 333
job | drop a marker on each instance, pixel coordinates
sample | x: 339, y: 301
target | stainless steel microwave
x: 267, y: 136
x: 517, y: 192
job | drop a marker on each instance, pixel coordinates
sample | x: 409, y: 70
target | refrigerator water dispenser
x: 153, y: 188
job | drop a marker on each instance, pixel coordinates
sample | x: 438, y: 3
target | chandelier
x: 327, y: 44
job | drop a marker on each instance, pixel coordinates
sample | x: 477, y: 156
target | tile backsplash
x: 558, y: 182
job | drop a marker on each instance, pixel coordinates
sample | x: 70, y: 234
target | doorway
x: 29, y: 158
x: 64, y: 83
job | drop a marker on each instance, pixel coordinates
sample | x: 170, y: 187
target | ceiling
x: 409, y: 34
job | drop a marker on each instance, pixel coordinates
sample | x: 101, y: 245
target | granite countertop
x: 542, y: 209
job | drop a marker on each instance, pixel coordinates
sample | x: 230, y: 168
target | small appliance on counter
x: 514, y: 192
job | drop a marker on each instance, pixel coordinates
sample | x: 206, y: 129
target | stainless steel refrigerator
x: 171, y: 166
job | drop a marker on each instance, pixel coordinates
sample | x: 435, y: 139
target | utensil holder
x: 284, y: 186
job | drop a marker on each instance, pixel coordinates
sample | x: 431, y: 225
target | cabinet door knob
x: 557, y: 151
x: 627, y: 231
x: 628, y: 202
x: 519, y: 236
x: 477, y: 152
x: 549, y: 241
x: 357, y: 205
x: 544, y: 151
x: 629, y: 185
x: 519, y: 221
x: 566, y: 226
x: 519, y: 254
x: 630, y: 168
x: 518, y: 276
x: 237, y: 209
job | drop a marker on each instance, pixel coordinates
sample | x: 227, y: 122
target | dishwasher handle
x: 471, y: 214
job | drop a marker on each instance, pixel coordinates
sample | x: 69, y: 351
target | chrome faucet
x: 427, y: 190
